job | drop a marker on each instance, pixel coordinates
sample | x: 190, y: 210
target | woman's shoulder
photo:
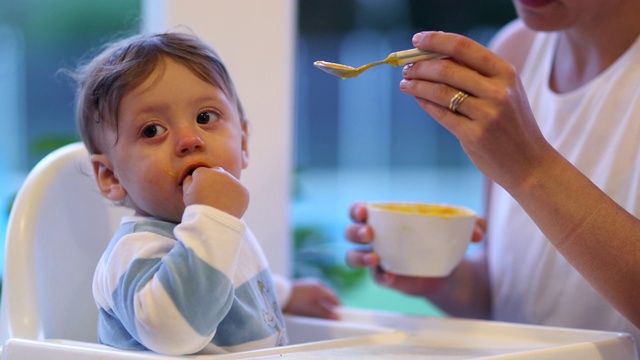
x: 513, y: 43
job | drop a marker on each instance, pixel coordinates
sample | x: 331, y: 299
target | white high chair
x: 58, y: 227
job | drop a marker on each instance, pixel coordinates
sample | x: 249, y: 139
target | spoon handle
x: 400, y: 58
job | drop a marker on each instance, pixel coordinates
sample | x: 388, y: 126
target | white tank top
x: 597, y: 128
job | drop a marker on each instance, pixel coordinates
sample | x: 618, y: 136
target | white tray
x: 394, y: 336
x: 369, y: 334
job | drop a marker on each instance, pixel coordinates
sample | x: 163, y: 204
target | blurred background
x: 354, y: 140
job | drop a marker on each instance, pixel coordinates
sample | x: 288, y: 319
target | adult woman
x: 560, y: 251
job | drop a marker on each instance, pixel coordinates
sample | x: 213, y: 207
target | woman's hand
x: 494, y: 124
x: 361, y: 233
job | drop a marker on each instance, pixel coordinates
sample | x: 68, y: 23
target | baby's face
x: 171, y: 124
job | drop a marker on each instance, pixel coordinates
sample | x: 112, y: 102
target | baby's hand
x: 312, y: 298
x: 216, y: 188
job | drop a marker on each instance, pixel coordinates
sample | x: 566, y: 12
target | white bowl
x: 417, y: 239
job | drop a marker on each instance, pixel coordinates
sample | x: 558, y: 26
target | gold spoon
x: 398, y: 58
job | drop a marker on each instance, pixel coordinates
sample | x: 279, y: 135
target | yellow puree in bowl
x: 424, y: 209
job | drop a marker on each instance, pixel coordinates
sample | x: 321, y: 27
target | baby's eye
x: 206, y: 117
x: 152, y: 131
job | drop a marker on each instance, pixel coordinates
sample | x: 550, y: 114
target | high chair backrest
x: 58, y: 227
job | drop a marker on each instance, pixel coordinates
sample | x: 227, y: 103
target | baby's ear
x: 108, y: 182
x: 245, y: 145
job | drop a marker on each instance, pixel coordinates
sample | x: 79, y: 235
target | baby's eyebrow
x: 149, y: 109
x: 213, y: 98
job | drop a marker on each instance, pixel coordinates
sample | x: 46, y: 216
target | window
x: 37, y: 39
x: 361, y: 139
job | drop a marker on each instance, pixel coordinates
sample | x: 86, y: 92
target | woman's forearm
x: 596, y: 235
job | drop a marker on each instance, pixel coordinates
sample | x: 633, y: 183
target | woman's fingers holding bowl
x: 410, y: 285
x: 358, y: 212
x: 362, y: 259
x: 480, y: 230
x: 359, y: 233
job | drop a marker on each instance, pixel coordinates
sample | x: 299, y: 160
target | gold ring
x: 456, y: 100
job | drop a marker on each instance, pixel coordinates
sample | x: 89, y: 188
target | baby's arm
x: 310, y: 297
x: 307, y: 297
x: 171, y: 295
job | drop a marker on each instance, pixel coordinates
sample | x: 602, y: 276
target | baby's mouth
x: 189, y: 172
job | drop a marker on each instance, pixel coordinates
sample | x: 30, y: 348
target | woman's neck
x: 584, y: 53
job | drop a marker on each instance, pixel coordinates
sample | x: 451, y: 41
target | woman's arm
x: 597, y: 236
x: 499, y: 133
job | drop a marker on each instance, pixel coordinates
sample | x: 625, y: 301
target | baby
x: 168, y: 138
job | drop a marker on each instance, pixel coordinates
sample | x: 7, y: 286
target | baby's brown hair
x: 127, y: 63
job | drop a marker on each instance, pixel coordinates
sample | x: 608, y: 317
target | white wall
x: 256, y: 40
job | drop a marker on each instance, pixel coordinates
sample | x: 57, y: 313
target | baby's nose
x: 189, y: 142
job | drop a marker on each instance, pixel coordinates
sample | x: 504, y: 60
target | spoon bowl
x: 399, y: 58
